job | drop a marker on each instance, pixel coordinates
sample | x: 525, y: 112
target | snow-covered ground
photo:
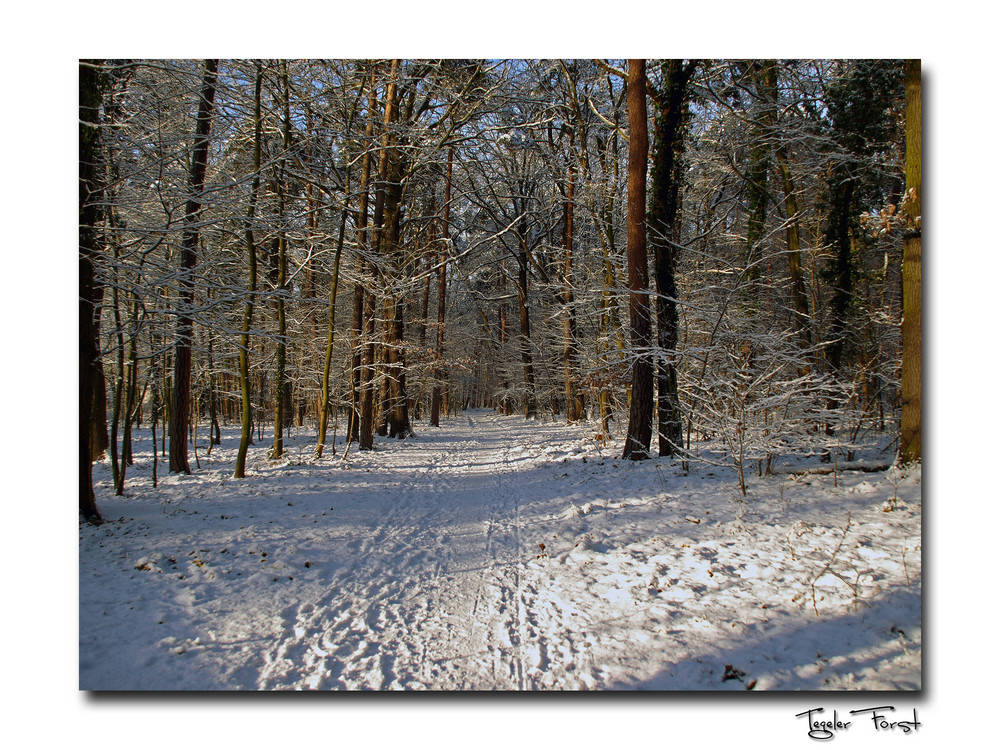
x: 495, y: 554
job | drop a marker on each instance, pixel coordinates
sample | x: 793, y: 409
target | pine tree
x: 640, y: 420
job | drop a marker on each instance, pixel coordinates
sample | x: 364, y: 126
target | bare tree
x: 251, y: 248
x: 181, y: 402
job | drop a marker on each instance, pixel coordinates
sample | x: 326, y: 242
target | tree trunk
x: 664, y: 211
x: 418, y: 401
x: 506, y: 407
x: 366, y: 439
x: 90, y: 198
x: 130, y: 376
x: 640, y: 420
x: 767, y: 82
x: 910, y: 427
x: 397, y: 405
x: 399, y: 412
x: 570, y: 348
x: 246, y: 432
x: 360, y: 294
x: 757, y: 184
x: 99, y: 440
x: 357, y: 328
x: 530, y: 405
x: 324, y: 410
x: 366, y: 422
x: 214, y: 405
x: 181, y: 402
x: 116, y: 405
x: 397, y: 409
x: 310, y: 300
x: 800, y: 300
x: 840, y: 237
x: 282, y: 396
x: 610, y: 321
x: 442, y: 289
x: 154, y: 406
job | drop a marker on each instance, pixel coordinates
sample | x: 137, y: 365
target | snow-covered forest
x: 479, y: 375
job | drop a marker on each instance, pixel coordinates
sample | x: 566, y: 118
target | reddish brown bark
x: 640, y: 420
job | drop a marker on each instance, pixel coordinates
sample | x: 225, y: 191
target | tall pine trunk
x: 640, y: 420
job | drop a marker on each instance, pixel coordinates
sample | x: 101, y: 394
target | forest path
x: 432, y: 594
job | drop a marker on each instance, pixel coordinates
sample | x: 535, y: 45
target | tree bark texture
x: 99, y: 432
x: 181, y: 402
x: 366, y: 439
x: 530, y: 405
x: 88, y: 285
x: 910, y: 427
x: 360, y: 293
x: 397, y: 405
x: 571, y: 354
x: 664, y: 209
x: 245, y: 396
x: 442, y: 289
x: 282, y: 388
x: 640, y: 420
x: 758, y: 169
